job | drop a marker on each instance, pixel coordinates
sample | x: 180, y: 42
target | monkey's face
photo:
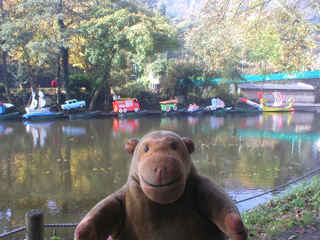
x: 161, y: 169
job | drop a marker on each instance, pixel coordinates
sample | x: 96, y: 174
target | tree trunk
x: 95, y: 95
x: 5, y: 77
x: 58, y: 80
x: 99, y: 89
x: 4, y: 60
x: 65, y: 68
x: 64, y: 56
x: 32, y: 77
x: 103, y: 83
x: 106, y: 97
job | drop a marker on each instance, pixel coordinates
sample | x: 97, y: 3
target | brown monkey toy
x: 164, y: 198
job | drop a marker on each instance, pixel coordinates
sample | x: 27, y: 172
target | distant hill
x: 180, y: 7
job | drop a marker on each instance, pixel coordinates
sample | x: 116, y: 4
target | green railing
x: 269, y: 77
x: 280, y: 76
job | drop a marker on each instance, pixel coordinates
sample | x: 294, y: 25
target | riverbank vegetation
x: 294, y: 212
x: 117, y: 46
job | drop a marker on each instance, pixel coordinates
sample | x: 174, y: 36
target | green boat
x: 217, y: 110
x: 132, y: 114
x: 169, y: 105
x: 9, y: 116
x: 224, y: 110
x: 172, y: 113
x: 247, y: 110
x: 84, y: 115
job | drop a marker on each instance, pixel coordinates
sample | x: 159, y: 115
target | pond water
x: 65, y: 167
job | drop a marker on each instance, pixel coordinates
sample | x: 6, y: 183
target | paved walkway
x: 307, y: 106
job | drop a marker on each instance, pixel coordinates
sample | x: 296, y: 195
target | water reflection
x: 169, y: 123
x: 215, y: 122
x: 126, y: 125
x: 65, y: 167
x: 4, y: 130
x: 38, y: 132
x: 74, y: 131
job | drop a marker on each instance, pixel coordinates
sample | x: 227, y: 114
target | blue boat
x: 37, y: 110
x: 42, y: 116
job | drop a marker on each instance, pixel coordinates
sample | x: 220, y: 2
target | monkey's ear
x: 189, y: 144
x: 131, y: 145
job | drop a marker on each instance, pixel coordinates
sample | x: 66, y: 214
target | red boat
x: 123, y: 105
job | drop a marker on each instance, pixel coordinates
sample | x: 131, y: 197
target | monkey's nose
x: 161, y: 169
x: 161, y: 172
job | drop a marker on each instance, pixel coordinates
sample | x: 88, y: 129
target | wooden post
x: 35, y: 225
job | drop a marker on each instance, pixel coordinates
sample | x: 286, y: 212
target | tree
x: 69, y: 14
x: 4, y: 13
x: 19, y: 50
x: 232, y: 31
x: 122, y: 29
x: 26, y: 36
x: 44, y: 29
x: 289, y: 39
x: 162, y: 9
x: 185, y: 78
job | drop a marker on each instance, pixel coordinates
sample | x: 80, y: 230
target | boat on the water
x: 194, y: 109
x: 8, y: 111
x: 289, y: 108
x: 84, y: 115
x: 127, y: 107
x: 9, y: 116
x: 222, y: 110
x: 251, y: 103
x: 174, y: 113
x: 276, y: 107
x: 42, y: 116
x: 132, y: 114
x: 169, y: 107
x: 247, y: 110
x: 124, y: 105
x: 37, y: 110
x: 216, y: 105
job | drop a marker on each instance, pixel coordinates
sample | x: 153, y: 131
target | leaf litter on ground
x: 291, y: 215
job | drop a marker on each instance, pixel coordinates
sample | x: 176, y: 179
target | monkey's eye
x: 146, y: 149
x: 174, y: 147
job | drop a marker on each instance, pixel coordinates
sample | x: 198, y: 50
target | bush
x: 80, y: 83
x: 148, y: 100
x: 21, y: 100
x: 222, y: 92
x: 133, y: 89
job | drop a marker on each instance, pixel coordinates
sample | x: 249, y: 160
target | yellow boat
x: 276, y: 107
x: 264, y: 108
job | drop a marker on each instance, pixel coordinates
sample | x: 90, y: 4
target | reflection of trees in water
x: 228, y: 156
x: 63, y: 171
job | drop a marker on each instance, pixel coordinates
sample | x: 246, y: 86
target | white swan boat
x: 36, y: 108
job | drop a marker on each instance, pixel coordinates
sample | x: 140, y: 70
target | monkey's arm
x: 217, y: 206
x: 103, y: 220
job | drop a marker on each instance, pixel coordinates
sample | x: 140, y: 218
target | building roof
x: 282, y: 87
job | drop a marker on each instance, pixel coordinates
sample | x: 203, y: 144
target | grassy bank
x: 297, y: 208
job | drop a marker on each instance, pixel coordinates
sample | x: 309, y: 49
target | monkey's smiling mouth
x: 162, y: 185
